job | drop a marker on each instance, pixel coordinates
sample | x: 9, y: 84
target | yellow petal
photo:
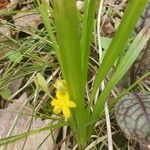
x: 59, y: 94
x: 66, y: 112
x: 70, y: 104
x: 57, y: 110
x: 54, y: 102
x: 66, y: 96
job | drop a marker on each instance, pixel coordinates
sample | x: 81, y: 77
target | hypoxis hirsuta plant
x: 72, y: 45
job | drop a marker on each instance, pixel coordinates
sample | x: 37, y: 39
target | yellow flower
x: 62, y: 103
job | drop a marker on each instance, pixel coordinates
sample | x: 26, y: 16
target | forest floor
x: 26, y: 50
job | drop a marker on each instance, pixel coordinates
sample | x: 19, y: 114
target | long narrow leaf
x: 126, y: 62
x: 44, y: 10
x: 68, y: 36
x: 86, y: 37
x: 133, y: 12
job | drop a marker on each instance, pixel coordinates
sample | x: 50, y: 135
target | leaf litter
x: 7, y: 117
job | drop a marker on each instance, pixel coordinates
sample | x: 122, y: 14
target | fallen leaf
x: 7, y: 117
x: 15, y: 85
x: 107, y: 28
x: 8, y: 4
x: 145, y: 18
x: 4, y: 3
x: 27, y: 19
x: 4, y: 30
x: 12, y: 5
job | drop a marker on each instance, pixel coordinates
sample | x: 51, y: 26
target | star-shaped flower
x: 62, y: 103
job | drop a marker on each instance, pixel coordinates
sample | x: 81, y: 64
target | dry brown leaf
x: 117, y: 8
x: 7, y: 117
x: 12, y: 5
x: 15, y: 85
x: 4, y: 3
x: 4, y: 30
x: 8, y: 4
x: 27, y: 19
x: 107, y: 28
x: 115, y: 5
x: 145, y: 18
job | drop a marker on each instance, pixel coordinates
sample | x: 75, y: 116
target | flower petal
x: 70, y: 103
x: 57, y: 110
x: 66, y: 112
x: 55, y: 102
x: 66, y: 96
x: 59, y: 94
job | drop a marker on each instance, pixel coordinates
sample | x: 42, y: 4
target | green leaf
x: 6, y: 93
x: 86, y: 36
x: 105, y: 41
x: 127, y: 60
x: 42, y: 83
x: 68, y: 35
x: 132, y: 13
x: 67, y: 47
x: 14, y: 56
